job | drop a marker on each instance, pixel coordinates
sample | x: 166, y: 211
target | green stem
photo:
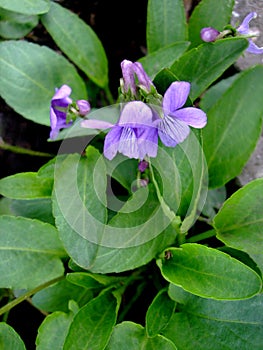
x: 201, y: 236
x: 28, y: 294
x: 109, y: 95
x: 21, y: 150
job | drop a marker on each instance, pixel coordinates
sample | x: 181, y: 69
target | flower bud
x: 84, y: 107
x: 209, y: 34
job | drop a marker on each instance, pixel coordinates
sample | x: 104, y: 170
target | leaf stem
x: 201, y: 236
x: 28, y: 294
x: 22, y: 150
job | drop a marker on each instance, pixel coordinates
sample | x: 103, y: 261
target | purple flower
x: 209, y: 34
x: 243, y: 29
x: 58, y: 110
x: 134, y: 135
x: 173, y: 128
x: 83, y: 106
x: 131, y: 70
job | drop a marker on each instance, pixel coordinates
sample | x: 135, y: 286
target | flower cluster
x: 140, y: 124
x: 209, y: 34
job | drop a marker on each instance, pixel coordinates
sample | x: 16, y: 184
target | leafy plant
x: 87, y: 235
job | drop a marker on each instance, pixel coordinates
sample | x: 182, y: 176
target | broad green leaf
x: 40, y: 209
x: 159, y: 313
x: 163, y: 58
x: 213, y: 94
x: 233, y: 128
x: 166, y: 23
x: 28, y: 7
x: 85, y: 50
x: 127, y: 241
x: 239, y: 223
x: 209, y: 13
x: 9, y: 339
x: 16, y: 25
x: 30, y: 253
x: 57, y: 296
x: 134, y: 336
x: 201, y: 66
x: 205, y: 324
x: 183, y: 176
x: 209, y: 273
x: 29, y: 74
x: 92, y: 325
x: 53, y: 331
x: 26, y: 186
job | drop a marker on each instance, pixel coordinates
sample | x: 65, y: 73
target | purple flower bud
x: 144, y: 182
x: 84, y: 107
x: 143, y: 165
x: 131, y: 70
x: 209, y: 34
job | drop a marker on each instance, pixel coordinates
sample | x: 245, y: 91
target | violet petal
x: 111, y: 142
x: 135, y: 114
x: 244, y: 26
x: 175, y: 96
x: 253, y: 48
x: 191, y: 116
x: 172, y: 131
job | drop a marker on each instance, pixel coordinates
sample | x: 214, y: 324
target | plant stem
x: 201, y: 236
x: 22, y: 150
x: 109, y: 95
x: 28, y: 294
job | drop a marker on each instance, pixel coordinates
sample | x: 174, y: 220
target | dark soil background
x: 121, y: 26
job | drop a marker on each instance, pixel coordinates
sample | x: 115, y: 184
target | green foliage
x: 116, y: 258
x: 166, y: 23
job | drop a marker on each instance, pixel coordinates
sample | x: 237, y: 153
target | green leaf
x: 40, y: 209
x: 216, y: 91
x: 91, y: 280
x: 163, y: 58
x: 26, y: 186
x: 133, y: 335
x: 166, y: 23
x: 159, y: 313
x: 183, y: 177
x: 234, y: 127
x: 28, y: 7
x: 29, y: 74
x: 30, y: 253
x: 209, y: 273
x: 127, y: 241
x: 53, y: 331
x: 9, y: 339
x: 239, y: 223
x: 209, y: 13
x: 205, y: 324
x: 201, y: 66
x: 57, y: 296
x: 16, y: 25
x: 92, y: 325
x: 85, y: 50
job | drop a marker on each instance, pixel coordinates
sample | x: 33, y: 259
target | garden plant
x: 132, y: 236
